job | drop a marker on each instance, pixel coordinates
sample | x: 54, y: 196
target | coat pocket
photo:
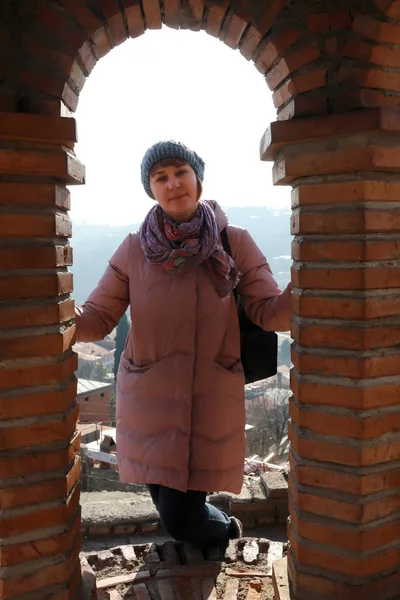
x: 236, y: 368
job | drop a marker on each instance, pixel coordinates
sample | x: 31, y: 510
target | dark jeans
x: 187, y: 517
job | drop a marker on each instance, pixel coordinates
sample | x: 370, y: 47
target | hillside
x: 94, y: 245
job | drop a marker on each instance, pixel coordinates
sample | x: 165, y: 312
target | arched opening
x: 165, y: 95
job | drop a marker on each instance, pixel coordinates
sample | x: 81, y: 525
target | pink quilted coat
x: 180, y: 385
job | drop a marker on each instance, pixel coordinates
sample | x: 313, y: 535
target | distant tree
x: 284, y: 352
x: 120, y: 339
x: 269, y: 415
x: 93, y: 370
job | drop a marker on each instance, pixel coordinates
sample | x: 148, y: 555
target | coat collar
x: 220, y: 215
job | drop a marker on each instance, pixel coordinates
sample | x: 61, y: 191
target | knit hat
x: 169, y: 149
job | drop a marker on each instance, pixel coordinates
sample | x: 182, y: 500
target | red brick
x: 35, y: 257
x: 250, y: 42
x: 357, y: 278
x: 44, y: 491
x: 52, y: 60
x: 76, y: 77
x: 311, y: 103
x: 391, y: 8
x: 99, y: 530
x: 27, y: 551
x: 335, y: 161
x: 369, y: 77
x: 275, y: 47
x: 152, y: 14
x: 42, y: 518
x: 128, y: 529
x: 233, y: 32
x: 37, y: 314
x: 342, y: 509
x: 27, y: 376
x: 318, y: 22
x: 51, y: 85
x: 309, y: 584
x: 360, y: 220
x: 378, y: 31
x: 35, y: 580
x: 357, y: 484
x: 355, y: 398
x: 340, y: 453
x: 134, y: 19
x: 304, y: 249
x: 39, y: 462
x: 44, y: 225
x: 59, y: 25
x: 332, y: 45
x: 101, y: 42
x: 172, y: 9
x: 290, y: 63
x: 87, y: 57
x: 362, y: 428
x: 371, y: 53
x: 326, y: 558
x: 365, y: 98
x: 344, y: 337
x: 350, y: 307
x: 40, y: 286
x: 37, y: 128
x: 215, y: 17
x: 83, y: 15
x: 354, y: 365
x: 38, y: 434
x: 299, y: 85
x: 340, y: 19
x: 319, y: 128
x: 112, y: 13
x: 42, y: 578
x: 59, y: 163
x: 35, y: 346
x: 30, y: 405
x: 192, y: 14
x: 34, y: 194
x: 346, y: 191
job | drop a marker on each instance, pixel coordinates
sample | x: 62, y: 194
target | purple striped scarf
x: 181, y: 247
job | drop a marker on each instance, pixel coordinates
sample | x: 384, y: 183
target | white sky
x: 180, y: 85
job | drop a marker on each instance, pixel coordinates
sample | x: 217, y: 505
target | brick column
x: 39, y: 464
x: 345, y: 411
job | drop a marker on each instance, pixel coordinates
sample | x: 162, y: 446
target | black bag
x: 258, y: 348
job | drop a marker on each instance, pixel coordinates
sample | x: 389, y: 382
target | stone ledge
x: 262, y: 501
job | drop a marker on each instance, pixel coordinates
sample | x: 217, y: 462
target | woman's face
x: 175, y: 187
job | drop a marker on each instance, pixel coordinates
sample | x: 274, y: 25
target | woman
x: 180, y: 384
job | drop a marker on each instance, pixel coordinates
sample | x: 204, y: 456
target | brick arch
x: 315, y: 60
x: 63, y: 41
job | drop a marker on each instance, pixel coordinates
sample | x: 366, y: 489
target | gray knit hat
x: 169, y: 149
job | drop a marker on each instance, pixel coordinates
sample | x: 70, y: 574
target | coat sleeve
x: 101, y: 312
x: 265, y: 304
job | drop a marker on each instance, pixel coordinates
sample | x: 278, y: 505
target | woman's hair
x: 166, y: 162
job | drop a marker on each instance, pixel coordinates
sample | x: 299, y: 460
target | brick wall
x: 95, y: 408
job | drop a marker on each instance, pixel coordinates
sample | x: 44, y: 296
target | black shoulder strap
x: 225, y: 242
x: 227, y: 247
